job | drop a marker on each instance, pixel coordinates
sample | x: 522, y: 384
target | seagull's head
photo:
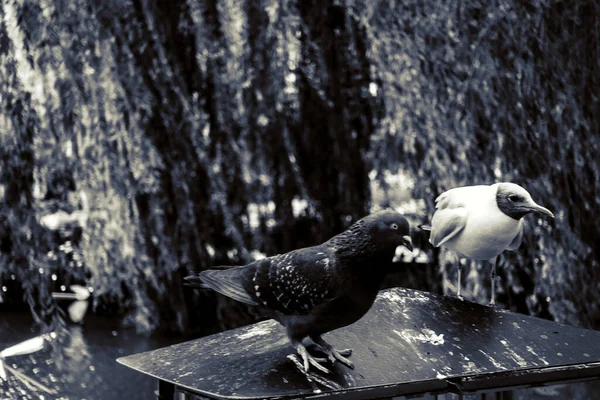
x: 390, y: 229
x: 516, y: 202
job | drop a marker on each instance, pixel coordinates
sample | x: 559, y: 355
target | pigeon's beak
x: 542, y: 210
x: 407, y: 242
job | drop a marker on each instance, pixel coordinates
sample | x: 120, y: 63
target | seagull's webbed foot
x: 333, y: 355
x: 308, y: 360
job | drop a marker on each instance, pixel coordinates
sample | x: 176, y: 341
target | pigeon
x: 480, y: 222
x: 314, y: 290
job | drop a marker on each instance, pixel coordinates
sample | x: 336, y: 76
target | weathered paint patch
x: 441, y: 376
x: 514, y: 355
x: 255, y: 331
x: 492, y: 360
x: 471, y: 367
x: 425, y: 336
x: 542, y: 359
x: 421, y: 298
x: 392, y: 296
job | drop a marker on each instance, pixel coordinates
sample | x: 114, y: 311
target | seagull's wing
x: 518, y: 239
x: 461, y: 196
x: 446, y: 224
x: 452, y: 209
x: 450, y: 199
x: 451, y: 215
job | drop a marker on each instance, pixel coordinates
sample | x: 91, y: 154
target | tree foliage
x: 195, y: 133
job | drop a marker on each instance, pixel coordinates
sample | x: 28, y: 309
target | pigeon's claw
x: 341, y: 357
x: 345, y: 352
x: 308, y: 360
x: 334, y: 355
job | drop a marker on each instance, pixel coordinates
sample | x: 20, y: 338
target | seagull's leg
x: 308, y: 360
x: 458, y: 280
x: 493, y: 278
x: 333, y: 354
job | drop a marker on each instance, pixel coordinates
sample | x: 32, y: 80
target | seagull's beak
x: 542, y: 210
x: 407, y: 242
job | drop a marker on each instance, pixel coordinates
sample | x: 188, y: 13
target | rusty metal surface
x: 410, y: 342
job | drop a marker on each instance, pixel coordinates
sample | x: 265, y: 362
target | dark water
x: 79, y: 363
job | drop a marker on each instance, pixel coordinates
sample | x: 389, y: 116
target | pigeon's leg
x: 308, y: 360
x: 333, y: 354
x: 493, y: 278
x: 458, y: 280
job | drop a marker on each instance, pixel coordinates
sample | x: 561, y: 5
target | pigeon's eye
x: 513, y: 198
x: 394, y: 226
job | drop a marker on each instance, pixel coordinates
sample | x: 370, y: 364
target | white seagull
x: 480, y: 222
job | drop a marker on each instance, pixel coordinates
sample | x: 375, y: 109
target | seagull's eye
x: 513, y: 198
x: 394, y: 226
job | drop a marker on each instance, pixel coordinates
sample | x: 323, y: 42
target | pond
x: 78, y: 363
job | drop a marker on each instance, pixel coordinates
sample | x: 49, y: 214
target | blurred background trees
x: 143, y: 140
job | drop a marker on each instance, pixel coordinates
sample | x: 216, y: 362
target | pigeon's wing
x: 518, y: 239
x: 291, y: 283
x: 295, y: 282
x: 446, y: 224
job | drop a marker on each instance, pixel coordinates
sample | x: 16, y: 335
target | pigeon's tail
x: 227, y: 281
x: 425, y: 227
x: 195, y: 282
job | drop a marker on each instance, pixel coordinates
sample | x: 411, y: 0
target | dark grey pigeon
x: 314, y: 290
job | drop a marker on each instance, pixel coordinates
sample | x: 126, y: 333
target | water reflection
x: 72, y: 359
x: 77, y: 363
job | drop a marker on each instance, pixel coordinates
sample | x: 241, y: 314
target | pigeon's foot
x: 308, y: 360
x: 334, y: 355
x: 460, y: 297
